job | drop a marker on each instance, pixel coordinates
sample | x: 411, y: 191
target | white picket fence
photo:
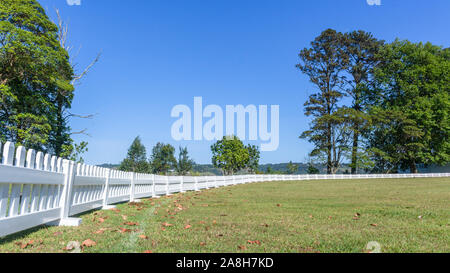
x: 37, y: 188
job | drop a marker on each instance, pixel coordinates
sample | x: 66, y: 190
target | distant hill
x: 209, y: 169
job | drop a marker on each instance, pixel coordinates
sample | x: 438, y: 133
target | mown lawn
x: 316, y: 216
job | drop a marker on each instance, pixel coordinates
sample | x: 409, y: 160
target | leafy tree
x: 78, y: 151
x: 33, y: 67
x: 136, y: 160
x: 253, y: 158
x: 184, y: 164
x: 323, y: 64
x: 163, y: 158
x: 230, y: 155
x: 312, y: 170
x: 292, y: 168
x: 411, y: 115
x: 361, y: 53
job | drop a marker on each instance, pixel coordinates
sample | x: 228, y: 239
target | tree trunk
x: 355, y: 151
x: 329, y: 150
x: 413, y: 167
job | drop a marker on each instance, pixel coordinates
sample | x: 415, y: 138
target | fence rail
x: 37, y: 188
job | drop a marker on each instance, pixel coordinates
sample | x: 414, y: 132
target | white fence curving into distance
x: 37, y: 188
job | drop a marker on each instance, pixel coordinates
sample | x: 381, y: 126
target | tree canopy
x: 231, y: 155
x: 34, y: 72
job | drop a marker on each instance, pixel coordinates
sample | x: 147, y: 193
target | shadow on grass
x: 22, y: 234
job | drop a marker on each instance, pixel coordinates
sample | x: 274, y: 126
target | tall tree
x: 323, y: 64
x: 136, y: 160
x: 412, y: 114
x: 361, y: 53
x: 253, y: 158
x: 163, y: 158
x: 292, y: 168
x: 230, y: 155
x: 184, y: 164
x: 33, y: 67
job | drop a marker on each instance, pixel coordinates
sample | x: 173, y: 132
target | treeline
x: 36, y: 80
x: 384, y: 107
x: 162, y: 160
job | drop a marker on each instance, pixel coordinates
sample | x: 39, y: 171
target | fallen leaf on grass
x: 25, y: 245
x: 278, y: 205
x: 257, y: 242
x: 131, y: 224
x: 124, y: 217
x: 57, y: 233
x: 165, y: 224
x: 88, y: 243
x: 374, y: 225
x: 143, y: 237
x: 187, y: 227
x: 242, y: 247
x: 123, y: 230
x: 202, y: 244
x: 148, y: 251
x: 115, y: 210
x: 101, y: 231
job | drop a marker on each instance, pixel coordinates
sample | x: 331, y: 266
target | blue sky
x: 160, y: 53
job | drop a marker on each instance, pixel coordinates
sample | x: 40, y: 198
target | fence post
x: 66, y: 197
x: 182, y: 184
x: 153, y: 186
x: 196, y: 183
x: 106, y: 191
x: 167, y: 185
x: 215, y: 182
x: 132, y: 187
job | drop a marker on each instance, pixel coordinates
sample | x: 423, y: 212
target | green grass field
x: 411, y: 215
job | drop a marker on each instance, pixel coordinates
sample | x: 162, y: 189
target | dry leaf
x: 165, y: 224
x: 100, y: 231
x: 124, y: 217
x: 242, y: 247
x: 143, y: 237
x: 131, y: 224
x: 187, y: 227
x: 374, y: 225
x: 123, y: 230
x: 148, y: 251
x: 88, y: 243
